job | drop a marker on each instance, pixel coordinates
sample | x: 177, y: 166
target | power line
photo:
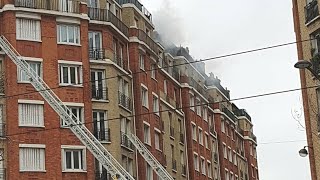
x: 118, y: 118
x: 147, y: 70
x: 281, y: 142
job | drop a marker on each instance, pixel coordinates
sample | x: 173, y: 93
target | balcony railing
x: 96, y: 54
x: 171, y: 131
x: 2, y: 82
x: 182, y: 138
x: 229, y: 113
x: 103, y: 134
x: 138, y: 5
x: 71, y: 6
x: 126, y: 142
x: 311, y: 11
x: 2, y: 174
x: 125, y: 101
x: 142, y: 36
x: 100, y: 93
x: 174, y: 164
x: 120, y: 61
x: 107, y: 16
x: 242, y: 112
x: 2, y: 130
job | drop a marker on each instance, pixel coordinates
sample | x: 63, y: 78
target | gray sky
x: 212, y: 28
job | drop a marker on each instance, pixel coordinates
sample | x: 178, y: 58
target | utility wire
x: 281, y: 142
x: 149, y: 113
x: 147, y: 70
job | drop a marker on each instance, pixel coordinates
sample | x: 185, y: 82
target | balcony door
x: 95, y: 44
x: 93, y: 3
x: 100, y: 125
x: 99, y: 91
x: 66, y: 5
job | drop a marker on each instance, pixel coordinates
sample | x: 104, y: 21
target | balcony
x: 100, y: 93
x: 70, y: 6
x: 242, y: 112
x: 125, y: 101
x: 103, y: 135
x: 144, y: 11
x: 119, y: 61
x: 182, y: 138
x: 126, y: 142
x: 174, y: 164
x: 107, y: 16
x: 144, y: 37
x: 171, y: 131
x: 311, y: 11
x: 96, y: 54
x: 102, y: 175
x: 229, y: 113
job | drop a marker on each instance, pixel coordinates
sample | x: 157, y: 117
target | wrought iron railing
x: 119, y: 61
x: 2, y: 130
x: 311, y: 10
x: 142, y: 36
x: 102, y: 176
x: 126, y: 142
x: 138, y: 5
x: 107, y: 16
x: 2, y: 82
x: 229, y: 113
x: 103, y: 134
x: 174, y: 164
x: 100, y: 93
x: 96, y: 54
x: 71, y: 6
x: 125, y: 101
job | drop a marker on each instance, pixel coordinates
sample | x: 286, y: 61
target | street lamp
x: 303, y: 152
x: 311, y: 66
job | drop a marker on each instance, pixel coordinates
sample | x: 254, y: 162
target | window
x: 156, y: 105
x: 98, y: 85
x: 205, y: 114
x: 100, y: 125
x: 95, y: 45
x: 147, y: 136
x: 231, y: 176
x: 191, y: 103
x: 209, y: 170
x: 74, y: 159
x: 196, y: 162
x: 144, y: 96
x: 194, y: 132
x: 157, y: 140
x: 32, y: 158
x: 28, y: 29
x: 31, y: 115
x: 125, y: 125
x: 66, y: 6
x: 165, y: 87
x: 234, y: 158
x: 206, y: 137
x: 141, y: 62
x: 153, y: 71
x: 223, y: 127
x: 36, y: 66
x: 68, y: 34
x: 227, y: 175
x: 124, y: 87
x: 77, y: 112
x: 251, y: 153
x: 93, y: 3
x: 200, y: 137
x: 230, y: 154
x: 203, y: 166
x: 135, y: 22
x: 181, y: 157
x: 198, y: 107
x: 149, y: 172
x: 70, y: 74
x: 225, y: 155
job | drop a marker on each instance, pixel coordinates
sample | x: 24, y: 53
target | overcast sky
x: 213, y: 27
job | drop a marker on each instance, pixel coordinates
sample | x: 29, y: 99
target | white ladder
x: 151, y: 160
x: 84, y: 135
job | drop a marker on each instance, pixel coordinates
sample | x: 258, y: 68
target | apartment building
x: 101, y: 59
x: 307, y: 26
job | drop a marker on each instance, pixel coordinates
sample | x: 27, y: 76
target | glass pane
x: 65, y: 75
x: 73, y: 75
x: 63, y: 32
x: 68, y: 160
x: 76, y: 160
x: 90, y: 40
x: 71, y: 34
x: 97, y: 38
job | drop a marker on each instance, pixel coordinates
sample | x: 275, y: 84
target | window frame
x: 78, y: 76
x: 42, y: 152
x: 29, y: 60
x: 69, y: 148
x: 35, y: 103
x: 37, y: 35
x: 76, y: 34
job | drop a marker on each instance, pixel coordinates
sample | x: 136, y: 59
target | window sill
x: 34, y: 171
x: 174, y: 170
x: 148, y: 144
x: 127, y: 148
x: 30, y: 126
x: 24, y: 82
x: 145, y: 107
x: 74, y: 171
x: 171, y: 137
x: 71, y: 85
x: 181, y: 143
x: 101, y: 101
x: 183, y: 175
x: 70, y: 44
x: 311, y: 21
x: 153, y: 78
x: 105, y: 142
x: 159, y: 150
x: 32, y: 40
x: 130, y: 111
